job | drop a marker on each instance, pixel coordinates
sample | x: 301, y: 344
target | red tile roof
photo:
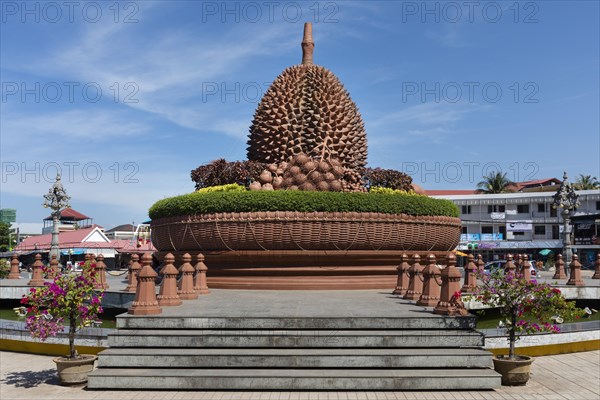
x: 73, y: 239
x: 69, y: 213
x: 66, y: 240
x: 518, y: 186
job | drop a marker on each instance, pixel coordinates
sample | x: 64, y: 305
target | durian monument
x: 304, y: 211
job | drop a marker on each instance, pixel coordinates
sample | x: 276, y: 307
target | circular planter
x: 305, y: 231
x: 304, y: 250
x: 74, y: 372
x: 514, y: 372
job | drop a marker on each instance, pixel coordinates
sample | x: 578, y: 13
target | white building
x: 526, y: 222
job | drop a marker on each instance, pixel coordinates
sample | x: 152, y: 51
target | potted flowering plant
x: 528, y: 307
x: 68, y: 298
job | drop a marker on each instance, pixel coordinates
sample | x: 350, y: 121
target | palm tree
x: 586, y: 182
x: 495, y: 182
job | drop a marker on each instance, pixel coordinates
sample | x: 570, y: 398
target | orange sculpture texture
x: 307, y: 110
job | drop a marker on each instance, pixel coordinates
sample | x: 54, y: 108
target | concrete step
x: 294, y: 358
x: 295, y: 338
x: 294, y: 379
x: 422, y: 319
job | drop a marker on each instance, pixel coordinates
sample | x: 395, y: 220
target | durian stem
x: 308, y: 45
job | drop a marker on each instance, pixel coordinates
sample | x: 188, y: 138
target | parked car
x: 499, y: 264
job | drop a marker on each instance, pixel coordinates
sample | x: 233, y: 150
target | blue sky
x: 127, y: 102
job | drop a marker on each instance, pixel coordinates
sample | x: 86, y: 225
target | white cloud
x: 427, y: 114
x: 169, y: 67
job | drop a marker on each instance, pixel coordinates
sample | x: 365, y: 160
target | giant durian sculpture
x: 307, y: 111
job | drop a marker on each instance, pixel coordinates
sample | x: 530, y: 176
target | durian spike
x: 308, y: 45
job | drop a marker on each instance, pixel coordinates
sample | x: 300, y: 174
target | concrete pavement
x: 574, y: 376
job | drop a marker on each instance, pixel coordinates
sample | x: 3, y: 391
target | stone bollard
x: 575, y: 276
x: 403, y: 278
x: 200, y: 285
x: 450, y: 285
x: 480, y: 264
x: 185, y: 289
x: 526, y: 268
x: 510, y: 265
x: 431, y: 284
x: 168, y: 289
x: 14, y: 268
x: 52, y: 271
x: 559, y: 265
x: 519, y: 263
x: 415, y: 284
x: 37, y: 278
x: 100, y: 274
x: 595, y: 276
x: 132, y: 277
x: 470, y: 275
x: 145, y: 302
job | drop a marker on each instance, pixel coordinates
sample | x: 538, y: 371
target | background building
x: 125, y: 231
x: 525, y: 222
x: 69, y: 220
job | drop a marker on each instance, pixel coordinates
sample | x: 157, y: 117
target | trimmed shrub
x: 290, y: 200
x: 384, y: 190
x: 232, y: 187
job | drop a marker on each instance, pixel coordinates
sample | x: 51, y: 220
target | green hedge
x: 288, y: 200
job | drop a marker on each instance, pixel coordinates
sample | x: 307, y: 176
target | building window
x: 464, y: 230
x: 496, y: 208
x: 487, y: 229
x: 539, y: 229
x: 542, y: 207
x: 519, y: 233
x: 598, y: 205
x: 555, y: 232
x: 466, y: 209
x: 523, y: 209
x: 553, y: 212
x: 502, y: 231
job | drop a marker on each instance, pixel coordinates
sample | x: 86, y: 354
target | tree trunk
x: 511, y: 337
x: 72, y: 326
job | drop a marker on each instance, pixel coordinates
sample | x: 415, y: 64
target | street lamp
x: 566, y: 199
x: 56, y: 199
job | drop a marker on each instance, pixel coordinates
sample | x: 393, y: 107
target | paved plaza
x: 574, y: 376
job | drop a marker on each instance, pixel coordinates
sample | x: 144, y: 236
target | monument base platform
x: 305, y: 270
x: 295, y: 340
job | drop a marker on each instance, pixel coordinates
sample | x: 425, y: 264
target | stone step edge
x: 295, y: 332
x: 312, y: 352
x: 294, y: 372
x: 294, y: 379
x: 283, y: 323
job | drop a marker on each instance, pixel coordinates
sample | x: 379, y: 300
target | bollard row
x: 433, y: 286
x: 172, y: 292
